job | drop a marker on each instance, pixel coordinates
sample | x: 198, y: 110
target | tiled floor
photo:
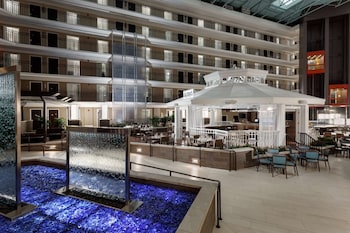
x: 255, y: 202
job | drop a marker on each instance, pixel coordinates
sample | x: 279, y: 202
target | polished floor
x: 256, y: 202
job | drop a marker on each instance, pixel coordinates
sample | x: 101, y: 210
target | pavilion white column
x: 304, y: 119
x: 198, y: 117
x: 215, y: 115
x: 281, y: 124
x: 211, y: 116
x: 178, y: 122
x: 190, y: 117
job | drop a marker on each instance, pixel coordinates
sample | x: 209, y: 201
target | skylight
x: 285, y: 4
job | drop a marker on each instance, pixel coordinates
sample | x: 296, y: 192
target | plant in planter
x: 326, y: 141
x: 60, y: 123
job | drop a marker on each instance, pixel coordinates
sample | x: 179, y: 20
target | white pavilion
x: 243, y: 89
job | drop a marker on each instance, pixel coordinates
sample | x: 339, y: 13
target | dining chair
x: 324, y: 158
x: 293, y: 160
x: 273, y: 151
x: 262, y: 161
x: 279, y: 162
x: 218, y: 144
x: 302, y: 150
x: 312, y: 157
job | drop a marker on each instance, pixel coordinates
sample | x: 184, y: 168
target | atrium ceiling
x: 286, y: 12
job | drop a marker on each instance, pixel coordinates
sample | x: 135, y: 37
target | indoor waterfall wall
x: 97, y: 162
x: 128, y: 77
x: 8, y: 155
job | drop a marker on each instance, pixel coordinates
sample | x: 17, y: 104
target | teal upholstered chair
x: 262, y: 161
x: 312, y: 157
x: 279, y: 162
x: 324, y: 158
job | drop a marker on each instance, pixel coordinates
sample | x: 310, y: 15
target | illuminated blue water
x: 162, y: 211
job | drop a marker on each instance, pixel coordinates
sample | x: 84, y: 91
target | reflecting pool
x: 162, y: 211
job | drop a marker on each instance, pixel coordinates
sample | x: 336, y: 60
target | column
x: 326, y: 47
x: 178, y: 123
x: 281, y: 124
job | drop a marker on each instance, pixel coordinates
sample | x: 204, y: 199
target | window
x: 11, y: 34
x: 200, y: 60
x: 102, y: 69
x: 72, y: 18
x: 200, y: 23
x: 102, y: 92
x: 53, y: 65
x: 217, y: 44
x: 168, y: 75
x: 180, y: 93
x: 277, y: 70
x: 53, y: 88
x: 35, y: 38
x: 168, y: 15
x: 181, y: 76
x: 102, y: 23
x: 200, y: 41
x: 35, y: 64
x: 102, y: 46
x: 145, y: 31
x: 119, y: 3
x: 52, y: 40
x: 102, y: 2
x: 73, y: 91
x: 168, y: 95
x: 52, y: 14
x: 148, y: 73
x: 190, y: 58
x: 72, y: 42
x: 12, y: 6
x: 180, y: 37
x: 131, y: 6
x: 148, y: 53
x: 74, y: 112
x: 228, y: 63
x: 338, y: 94
x: 168, y: 55
x: 217, y: 61
x: 168, y: 35
x: 73, y: 67
x: 146, y: 10
x: 12, y: 59
x: 119, y: 26
x: 190, y: 39
x: 35, y: 11
x: 132, y: 28
x: 180, y: 57
x: 35, y: 87
x: 190, y: 77
x: 189, y: 20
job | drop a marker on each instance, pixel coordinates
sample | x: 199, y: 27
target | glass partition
x: 98, y: 163
x: 8, y: 184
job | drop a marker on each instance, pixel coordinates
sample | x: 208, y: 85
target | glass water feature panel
x: 7, y: 140
x: 129, y: 77
x: 98, y: 163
